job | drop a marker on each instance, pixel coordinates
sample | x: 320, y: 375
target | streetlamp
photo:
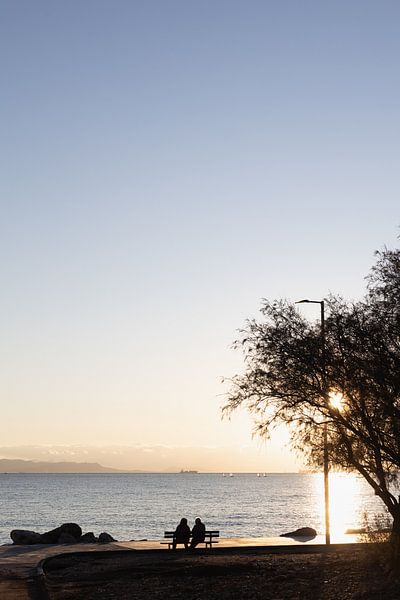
x: 326, y: 457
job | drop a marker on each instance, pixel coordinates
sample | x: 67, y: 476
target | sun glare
x: 336, y: 400
x: 344, y: 502
x: 348, y: 502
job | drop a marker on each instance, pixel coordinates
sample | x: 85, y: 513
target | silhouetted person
x: 198, y: 533
x: 182, y: 534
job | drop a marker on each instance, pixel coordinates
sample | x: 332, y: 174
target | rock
x: 361, y: 530
x: 302, y: 532
x: 365, y: 530
x: 24, y: 537
x: 52, y: 537
x: 68, y: 533
x: 88, y: 538
x: 66, y: 538
x: 106, y: 538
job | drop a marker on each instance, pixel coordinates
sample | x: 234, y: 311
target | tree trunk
x: 395, y: 542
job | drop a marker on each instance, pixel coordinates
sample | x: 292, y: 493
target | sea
x: 142, y: 506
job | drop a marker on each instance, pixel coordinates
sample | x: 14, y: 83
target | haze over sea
x: 136, y: 506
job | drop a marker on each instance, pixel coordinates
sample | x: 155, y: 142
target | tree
x: 289, y: 378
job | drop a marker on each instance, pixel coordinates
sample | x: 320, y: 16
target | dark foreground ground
x: 341, y: 575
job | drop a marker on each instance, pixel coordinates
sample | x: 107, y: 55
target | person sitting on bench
x: 182, y: 534
x: 198, y: 533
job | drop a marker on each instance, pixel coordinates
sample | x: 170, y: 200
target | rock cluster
x: 68, y: 533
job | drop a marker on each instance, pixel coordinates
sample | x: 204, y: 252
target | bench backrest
x: 209, y: 534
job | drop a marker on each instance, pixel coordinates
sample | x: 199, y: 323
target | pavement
x: 18, y: 564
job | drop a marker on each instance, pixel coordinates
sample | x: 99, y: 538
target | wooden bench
x: 209, y: 540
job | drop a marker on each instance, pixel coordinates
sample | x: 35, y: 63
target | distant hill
x: 32, y: 466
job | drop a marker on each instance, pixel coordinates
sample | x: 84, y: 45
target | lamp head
x: 310, y: 302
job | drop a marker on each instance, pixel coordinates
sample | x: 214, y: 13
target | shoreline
x: 223, y: 542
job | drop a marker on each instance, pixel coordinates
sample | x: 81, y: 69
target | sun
x: 336, y: 400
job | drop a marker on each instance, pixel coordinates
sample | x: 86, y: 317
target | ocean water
x: 137, y: 506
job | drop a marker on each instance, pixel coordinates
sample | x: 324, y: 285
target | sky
x: 164, y: 166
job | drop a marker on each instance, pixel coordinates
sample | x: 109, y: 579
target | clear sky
x: 165, y: 165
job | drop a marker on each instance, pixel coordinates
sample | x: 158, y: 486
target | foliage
x: 377, y: 530
x: 376, y: 537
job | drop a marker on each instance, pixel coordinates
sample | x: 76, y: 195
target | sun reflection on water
x: 347, y: 503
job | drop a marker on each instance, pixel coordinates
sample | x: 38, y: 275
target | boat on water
x: 187, y: 471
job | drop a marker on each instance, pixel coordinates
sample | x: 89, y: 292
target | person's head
x: 198, y: 521
x: 183, y: 521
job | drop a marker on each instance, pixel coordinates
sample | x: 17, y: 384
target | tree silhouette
x: 289, y: 378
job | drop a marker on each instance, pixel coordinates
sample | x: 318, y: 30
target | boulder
x: 25, y: 537
x: 88, y: 538
x: 106, y: 538
x: 68, y: 533
x: 66, y: 538
x: 52, y: 537
x: 302, y: 532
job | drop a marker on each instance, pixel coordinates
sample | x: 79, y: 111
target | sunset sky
x: 165, y: 165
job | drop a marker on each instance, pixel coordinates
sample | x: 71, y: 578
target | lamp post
x: 326, y: 457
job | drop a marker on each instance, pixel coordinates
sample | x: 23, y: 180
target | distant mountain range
x: 32, y: 466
